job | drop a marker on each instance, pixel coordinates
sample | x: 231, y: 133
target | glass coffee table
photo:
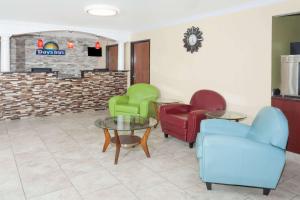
x: 228, y: 115
x: 129, y: 124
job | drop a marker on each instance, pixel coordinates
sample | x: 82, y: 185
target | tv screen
x: 92, y: 51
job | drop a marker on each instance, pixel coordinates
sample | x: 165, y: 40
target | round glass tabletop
x: 166, y: 101
x: 229, y: 115
x: 126, y: 123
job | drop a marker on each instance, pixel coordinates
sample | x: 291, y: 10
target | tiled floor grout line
x: 116, y: 176
x: 121, y: 182
x: 55, y: 161
x: 168, y: 181
x: 61, y: 170
x: 165, y: 178
x: 129, y: 187
x: 126, y: 185
x: 295, y: 197
x: 16, y: 163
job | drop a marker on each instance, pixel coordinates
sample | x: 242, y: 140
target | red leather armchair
x: 183, y: 121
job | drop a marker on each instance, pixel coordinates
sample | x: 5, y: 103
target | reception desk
x: 291, y: 108
x: 42, y: 94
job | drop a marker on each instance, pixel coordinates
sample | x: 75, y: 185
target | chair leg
x: 191, y: 144
x: 208, y: 186
x: 166, y: 135
x: 266, y: 191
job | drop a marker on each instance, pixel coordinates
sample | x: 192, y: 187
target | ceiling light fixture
x: 102, y: 10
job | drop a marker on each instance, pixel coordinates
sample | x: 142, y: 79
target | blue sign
x: 46, y: 52
x: 50, y: 49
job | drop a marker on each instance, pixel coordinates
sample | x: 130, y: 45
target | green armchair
x: 137, y: 101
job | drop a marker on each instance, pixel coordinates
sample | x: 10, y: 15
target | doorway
x: 140, y: 62
x: 112, y: 57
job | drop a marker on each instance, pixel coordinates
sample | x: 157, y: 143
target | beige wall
x: 235, y: 59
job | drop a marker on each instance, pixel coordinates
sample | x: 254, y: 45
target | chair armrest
x: 194, y: 120
x: 116, y: 100
x: 219, y: 127
x: 242, y: 161
x: 224, y: 127
x: 175, y: 108
x: 119, y: 99
x: 145, y: 108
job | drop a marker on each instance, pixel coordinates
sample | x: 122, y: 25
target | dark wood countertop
x: 291, y: 98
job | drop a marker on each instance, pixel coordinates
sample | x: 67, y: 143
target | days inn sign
x: 50, y: 49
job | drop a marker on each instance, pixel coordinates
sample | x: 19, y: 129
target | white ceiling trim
x: 11, y: 27
x: 245, y: 6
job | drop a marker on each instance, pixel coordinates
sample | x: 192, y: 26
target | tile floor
x: 60, y: 158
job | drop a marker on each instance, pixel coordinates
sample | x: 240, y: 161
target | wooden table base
x: 126, y: 141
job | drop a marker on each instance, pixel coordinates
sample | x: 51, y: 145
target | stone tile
x: 200, y: 192
x: 37, y: 185
x: 38, y: 167
x: 12, y: 195
x: 278, y: 194
x: 66, y: 194
x: 74, y: 156
x: 55, y: 136
x: 18, y: 126
x: 105, y: 158
x: 26, y: 157
x: 136, y: 153
x: 8, y: 170
x: 113, y: 193
x: 74, y: 169
x: 27, y: 143
x: 136, y: 176
x: 62, y: 146
x: 6, y: 154
x: 292, y: 157
x: 10, y: 185
x: 165, y: 191
x: 4, y: 141
x: 53, y: 159
x: 292, y: 185
x: 173, y: 146
x: 88, y: 138
x: 3, y: 129
x: 183, y: 177
x: 161, y: 163
x: 45, y: 130
x: 69, y: 125
x: 93, y: 181
x: 292, y: 169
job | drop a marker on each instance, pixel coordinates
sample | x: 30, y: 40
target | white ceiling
x: 135, y: 15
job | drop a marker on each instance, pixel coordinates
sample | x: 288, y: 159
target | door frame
x: 106, y: 54
x: 132, y: 59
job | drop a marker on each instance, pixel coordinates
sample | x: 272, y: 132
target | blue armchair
x: 238, y: 154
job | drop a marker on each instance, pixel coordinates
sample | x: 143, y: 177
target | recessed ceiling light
x: 102, y: 10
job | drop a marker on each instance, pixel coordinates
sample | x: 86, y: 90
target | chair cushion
x: 127, y: 108
x: 178, y: 119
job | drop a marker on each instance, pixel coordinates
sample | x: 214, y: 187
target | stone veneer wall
x: 42, y: 94
x: 23, y: 53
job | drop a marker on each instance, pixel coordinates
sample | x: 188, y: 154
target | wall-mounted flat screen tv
x: 92, y: 51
